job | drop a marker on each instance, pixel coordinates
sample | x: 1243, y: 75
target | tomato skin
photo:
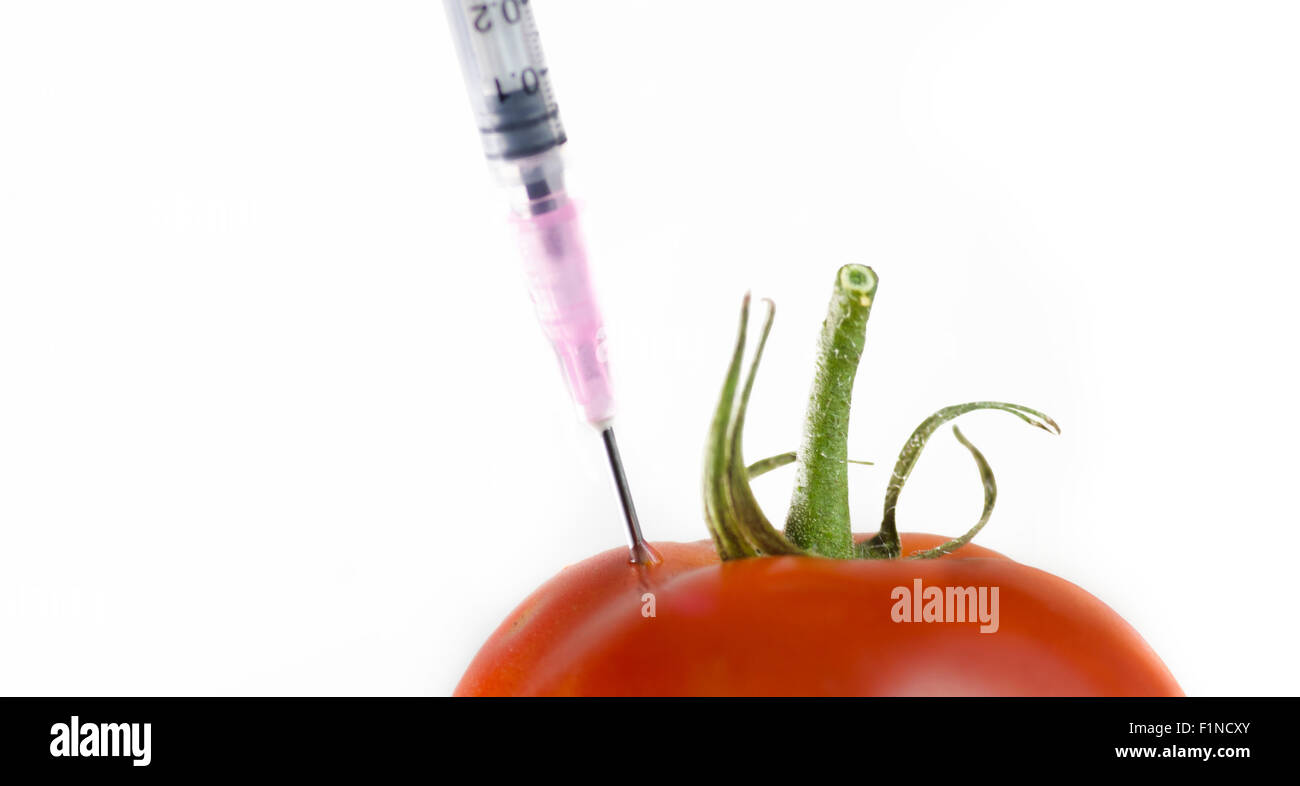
x: 563, y: 604
x: 546, y: 619
x: 802, y: 626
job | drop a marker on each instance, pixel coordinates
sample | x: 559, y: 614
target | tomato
x: 562, y: 604
x: 813, y: 610
x: 802, y: 626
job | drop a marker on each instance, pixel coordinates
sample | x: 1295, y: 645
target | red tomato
x: 563, y: 604
x: 809, y: 626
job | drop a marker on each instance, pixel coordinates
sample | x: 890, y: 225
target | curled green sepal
x: 737, y: 522
x: 885, y: 544
x: 990, y: 496
x: 717, y: 502
x: 750, y: 520
x: 764, y: 466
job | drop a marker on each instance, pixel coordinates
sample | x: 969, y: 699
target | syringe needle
x: 640, y: 553
x: 519, y: 125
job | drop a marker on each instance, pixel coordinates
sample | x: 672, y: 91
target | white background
x: 275, y: 417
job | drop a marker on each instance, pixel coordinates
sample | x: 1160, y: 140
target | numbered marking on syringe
x: 510, y: 12
x: 531, y: 82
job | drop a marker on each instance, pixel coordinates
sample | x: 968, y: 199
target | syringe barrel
x: 559, y: 283
x: 506, y: 77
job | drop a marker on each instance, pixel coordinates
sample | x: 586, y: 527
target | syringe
x: 519, y: 123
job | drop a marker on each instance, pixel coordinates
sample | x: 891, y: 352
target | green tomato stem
x: 818, y: 520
